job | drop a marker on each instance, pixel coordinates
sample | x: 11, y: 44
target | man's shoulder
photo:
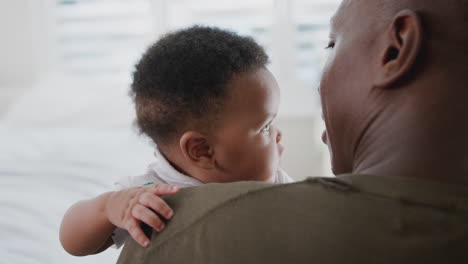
x: 194, y: 203
x: 362, y: 218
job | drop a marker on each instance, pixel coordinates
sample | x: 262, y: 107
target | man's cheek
x: 326, y: 79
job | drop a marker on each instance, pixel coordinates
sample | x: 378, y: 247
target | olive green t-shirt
x: 348, y: 219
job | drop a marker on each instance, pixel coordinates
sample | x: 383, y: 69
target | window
x: 106, y: 37
x: 101, y: 37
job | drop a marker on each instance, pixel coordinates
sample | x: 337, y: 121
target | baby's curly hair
x: 180, y: 82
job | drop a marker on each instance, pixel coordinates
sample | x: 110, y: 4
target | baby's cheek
x: 267, y: 139
x: 270, y: 162
x: 259, y: 162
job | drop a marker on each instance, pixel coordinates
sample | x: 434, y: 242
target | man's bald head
x: 444, y: 21
x: 394, y: 88
x: 448, y: 14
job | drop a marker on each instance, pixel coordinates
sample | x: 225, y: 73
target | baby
x: 207, y: 100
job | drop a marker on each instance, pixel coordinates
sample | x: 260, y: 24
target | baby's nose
x: 279, y: 136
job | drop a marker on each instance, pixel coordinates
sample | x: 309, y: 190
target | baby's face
x: 247, y: 142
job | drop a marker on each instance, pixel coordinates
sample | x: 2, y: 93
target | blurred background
x: 66, y: 129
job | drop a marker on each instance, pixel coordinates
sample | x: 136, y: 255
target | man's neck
x: 436, y: 148
x: 427, y: 168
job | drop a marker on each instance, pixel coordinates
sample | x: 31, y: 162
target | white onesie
x: 162, y: 172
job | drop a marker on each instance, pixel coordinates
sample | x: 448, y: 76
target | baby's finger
x: 137, y: 234
x: 157, y: 204
x: 147, y: 216
x: 163, y: 189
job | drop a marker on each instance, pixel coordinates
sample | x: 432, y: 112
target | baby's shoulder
x: 135, y: 181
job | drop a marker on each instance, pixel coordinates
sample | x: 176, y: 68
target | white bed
x: 62, y: 141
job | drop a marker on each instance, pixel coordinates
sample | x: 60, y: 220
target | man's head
x: 394, y: 69
x: 205, y: 97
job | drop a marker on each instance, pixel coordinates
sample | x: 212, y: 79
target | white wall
x: 23, y: 46
x: 305, y: 154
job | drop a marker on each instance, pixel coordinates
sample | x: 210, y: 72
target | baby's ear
x: 197, y: 149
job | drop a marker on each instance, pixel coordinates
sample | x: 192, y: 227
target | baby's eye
x: 266, y: 128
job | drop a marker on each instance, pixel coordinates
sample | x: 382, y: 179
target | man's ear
x: 401, y: 47
x: 197, y: 149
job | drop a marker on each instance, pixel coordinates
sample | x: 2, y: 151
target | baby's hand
x: 128, y: 208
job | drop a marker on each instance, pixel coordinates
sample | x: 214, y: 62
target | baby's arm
x: 88, y: 225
